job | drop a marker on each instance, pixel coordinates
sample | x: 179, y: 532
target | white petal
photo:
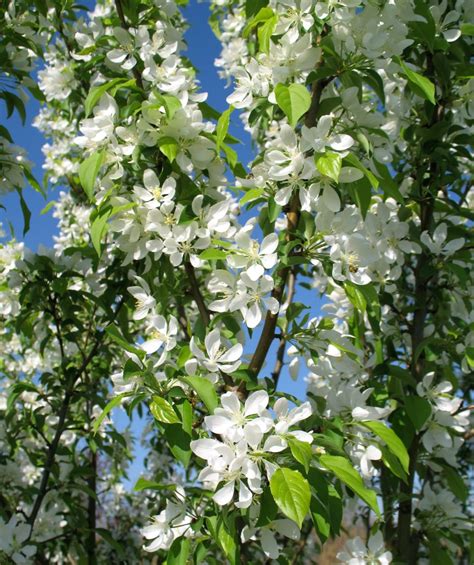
x: 213, y: 343
x: 225, y: 494
x: 218, y: 424
x: 233, y: 354
x: 255, y: 271
x: 245, y: 496
x: 205, y: 448
x: 269, y: 244
x: 117, y: 56
x: 256, y: 403
x: 341, y: 142
x: 230, y: 401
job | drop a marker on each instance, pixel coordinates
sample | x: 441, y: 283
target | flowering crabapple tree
x: 182, y: 284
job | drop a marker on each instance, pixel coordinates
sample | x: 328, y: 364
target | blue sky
x: 203, y: 48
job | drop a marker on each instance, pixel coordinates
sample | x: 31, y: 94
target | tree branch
x: 61, y: 426
x: 407, y: 545
x: 292, y: 217
x: 196, y: 293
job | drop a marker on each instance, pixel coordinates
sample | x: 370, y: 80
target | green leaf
x: 231, y: 155
x: 268, y: 508
x: 470, y: 356
x: 99, y: 227
x: 374, y: 80
x: 223, y: 127
x: 48, y: 207
x: 26, y: 213
x: 114, y: 334
x: 392, y: 463
x: 301, y: 451
x: 144, y: 484
x: 374, y: 311
x: 361, y: 193
x: 170, y: 103
x: 253, y: 6
x: 33, y: 182
x: 274, y: 210
x: 169, y: 147
x: 388, y: 186
x: 265, y: 33
x: 329, y: 164
x: 294, y: 100
x: 394, y: 443
x: 292, y: 494
x: 260, y: 17
x: 96, y: 92
x: 205, y: 390
x: 353, y: 161
x: 178, y: 441
x: 356, y: 297
x: 251, y: 194
x: 178, y: 552
x: 456, y: 483
x: 226, y: 536
x: 418, y: 410
x: 467, y: 29
x: 116, y: 401
x: 88, y: 171
x: 344, y: 471
x: 163, y: 411
x: 420, y: 85
x: 320, y: 519
x: 212, y: 254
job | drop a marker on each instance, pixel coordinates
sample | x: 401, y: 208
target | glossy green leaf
x: 116, y: 401
x: 329, y: 164
x: 226, y: 536
x: 418, y: 410
x: 265, y: 33
x: 99, y: 227
x: 223, y: 127
x: 145, y: 484
x: 252, y: 194
x: 88, y: 171
x: 422, y: 86
x: 394, y: 443
x: 353, y: 161
x: 179, y: 551
x: 292, y: 494
x: 178, y: 441
x: 163, y: 411
x: 456, y: 483
x: 264, y: 14
x: 26, y: 213
x: 344, y: 471
x: 169, y: 147
x: 96, y: 92
x: 213, y: 254
x: 294, y: 100
x: 205, y: 390
x: 301, y: 452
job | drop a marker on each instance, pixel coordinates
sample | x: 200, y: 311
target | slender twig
x: 60, y: 427
x: 407, y: 545
x: 280, y: 356
x: 196, y: 293
x: 292, y: 217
